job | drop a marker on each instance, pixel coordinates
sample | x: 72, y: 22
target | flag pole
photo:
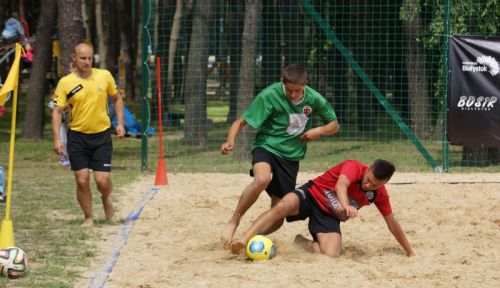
x: 11, y: 86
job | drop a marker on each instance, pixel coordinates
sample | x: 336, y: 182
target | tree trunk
x: 195, y: 128
x: 174, y: 36
x: 101, y: 45
x: 69, y: 28
x: 247, y: 74
x: 127, y: 32
x: 418, y: 86
x: 112, y: 36
x: 234, y: 26
x: 293, y: 43
x: 336, y: 70
x: 85, y: 19
x: 362, y: 47
x: 138, y: 49
x: 35, y: 107
x: 271, y: 44
x: 163, y: 16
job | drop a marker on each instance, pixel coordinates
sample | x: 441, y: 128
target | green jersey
x: 281, y: 122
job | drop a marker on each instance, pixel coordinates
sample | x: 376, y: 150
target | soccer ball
x: 13, y: 262
x: 260, y: 248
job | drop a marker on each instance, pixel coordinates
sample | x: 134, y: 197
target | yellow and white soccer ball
x: 13, y: 262
x: 260, y: 248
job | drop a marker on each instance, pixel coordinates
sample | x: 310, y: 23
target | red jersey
x: 323, y: 188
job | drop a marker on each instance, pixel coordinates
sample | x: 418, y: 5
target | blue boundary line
x: 101, y: 276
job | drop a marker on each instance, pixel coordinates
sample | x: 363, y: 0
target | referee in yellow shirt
x: 85, y: 93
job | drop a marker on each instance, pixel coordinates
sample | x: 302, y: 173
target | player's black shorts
x: 319, y: 221
x: 92, y: 151
x: 284, y: 172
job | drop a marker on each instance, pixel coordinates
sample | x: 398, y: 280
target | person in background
x: 63, y: 158
x: 13, y: 30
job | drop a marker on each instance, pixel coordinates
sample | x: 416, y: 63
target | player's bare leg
x: 105, y: 186
x: 84, y: 196
x: 289, y: 205
x: 278, y: 223
x: 328, y: 243
x: 262, y: 178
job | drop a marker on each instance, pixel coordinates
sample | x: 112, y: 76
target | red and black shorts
x: 284, y: 172
x: 319, y: 221
x: 92, y: 151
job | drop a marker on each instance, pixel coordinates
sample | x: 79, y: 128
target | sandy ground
x: 452, y: 221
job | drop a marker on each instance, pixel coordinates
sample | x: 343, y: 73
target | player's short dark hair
x: 294, y: 73
x: 383, y: 169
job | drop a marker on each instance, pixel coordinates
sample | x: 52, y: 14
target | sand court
x: 452, y: 221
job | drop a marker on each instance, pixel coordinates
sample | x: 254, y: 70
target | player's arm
x: 399, y: 234
x: 341, y: 190
x: 233, y: 132
x: 325, y: 130
x: 57, y: 112
x: 118, y: 104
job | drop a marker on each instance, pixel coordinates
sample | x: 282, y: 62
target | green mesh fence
x: 382, y: 65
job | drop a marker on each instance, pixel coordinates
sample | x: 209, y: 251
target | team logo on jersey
x: 370, y: 195
x: 307, y: 110
x: 296, y: 123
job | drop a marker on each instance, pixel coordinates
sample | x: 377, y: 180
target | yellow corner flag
x: 11, y: 84
x: 12, y: 79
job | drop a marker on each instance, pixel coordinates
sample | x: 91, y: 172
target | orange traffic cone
x: 161, y: 173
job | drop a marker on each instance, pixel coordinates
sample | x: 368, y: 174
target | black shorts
x: 92, y: 151
x: 319, y: 221
x: 284, y: 171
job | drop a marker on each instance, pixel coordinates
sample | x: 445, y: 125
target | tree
x: 195, y: 128
x: 331, y: 64
x: 111, y: 36
x: 138, y: 21
x: 247, y: 73
x: 418, y: 86
x: 361, y: 45
x: 127, y: 40
x: 69, y: 28
x: 234, y: 20
x: 174, y: 36
x: 271, y: 65
x: 293, y: 32
x: 34, y: 114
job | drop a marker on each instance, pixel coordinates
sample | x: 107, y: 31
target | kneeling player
x: 329, y: 199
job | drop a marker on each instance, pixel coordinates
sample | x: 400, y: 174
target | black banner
x: 473, y: 117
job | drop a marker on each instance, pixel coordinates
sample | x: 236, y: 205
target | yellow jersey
x: 86, y: 100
